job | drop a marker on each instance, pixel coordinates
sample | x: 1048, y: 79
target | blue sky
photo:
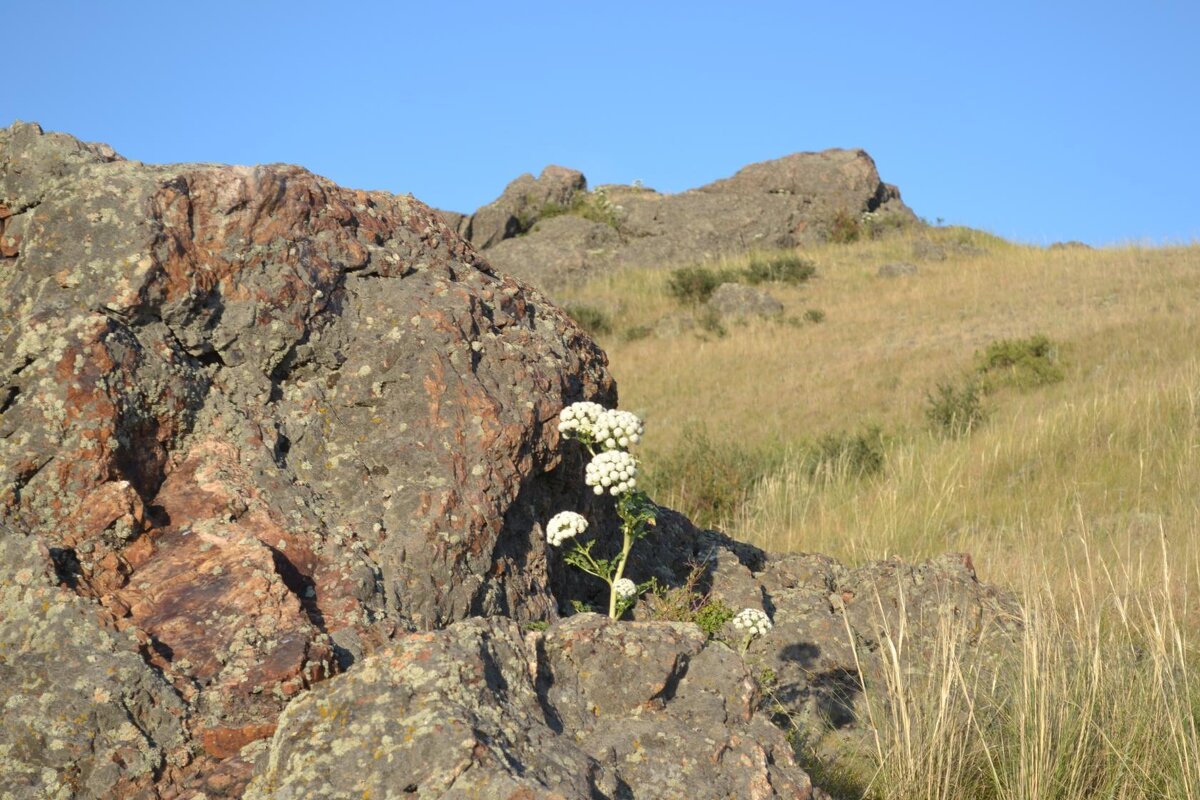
x: 1039, y: 121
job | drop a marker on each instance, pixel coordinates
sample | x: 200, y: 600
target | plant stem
x: 612, y: 592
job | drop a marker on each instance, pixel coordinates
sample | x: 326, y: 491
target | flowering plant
x: 752, y: 622
x: 606, y: 434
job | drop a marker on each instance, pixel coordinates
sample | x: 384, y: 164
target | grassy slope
x: 1083, y: 495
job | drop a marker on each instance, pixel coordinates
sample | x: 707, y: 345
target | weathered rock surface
x: 773, y: 204
x: 590, y: 708
x: 264, y: 422
x: 84, y: 714
x: 521, y: 205
x: 735, y: 300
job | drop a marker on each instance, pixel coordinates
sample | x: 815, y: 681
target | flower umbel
x: 578, y: 420
x: 616, y: 430
x: 754, y: 623
x: 613, y: 471
x: 624, y: 588
x: 565, y: 525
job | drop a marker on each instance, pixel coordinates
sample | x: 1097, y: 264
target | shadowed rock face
x: 776, y: 204
x: 264, y: 421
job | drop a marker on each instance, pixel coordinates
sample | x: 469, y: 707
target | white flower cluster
x: 579, y: 418
x: 616, y: 430
x: 609, y: 428
x: 752, y: 621
x: 624, y: 588
x: 565, y: 525
x: 614, y: 471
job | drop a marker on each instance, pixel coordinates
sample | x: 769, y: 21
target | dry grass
x: 1083, y: 496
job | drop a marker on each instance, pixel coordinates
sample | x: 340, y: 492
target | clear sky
x: 1039, y: 121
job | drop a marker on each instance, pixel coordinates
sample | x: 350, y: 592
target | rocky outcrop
x: 590, y: 708
x: 776, y: 204
x: 264, y: 422
x: 272, y: 446
x: 522, y: 204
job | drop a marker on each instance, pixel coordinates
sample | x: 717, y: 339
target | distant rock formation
x: 776, y: 204
x: 271, y: 447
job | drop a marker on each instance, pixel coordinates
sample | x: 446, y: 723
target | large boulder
x: 264, y: 422
x: 591, y: 708
x: 737, y: 300
x: 778, y: 204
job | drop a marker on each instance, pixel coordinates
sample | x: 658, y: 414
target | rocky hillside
x: 275, y: 462
x: 551, y: 230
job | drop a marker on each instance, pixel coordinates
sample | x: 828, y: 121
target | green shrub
x: 814, y: 315
x: 955, y: 410
x: 778, y: 268
x: 595, y: 206
x: 695, y: 285
x: 1023, y: 363
x: 846, y: 455
x: 687, y: 603
x: 710, y: 322
x: 844, y: 228
x: 707, y: 479
x: 593, y: 320
x: 638, y: 332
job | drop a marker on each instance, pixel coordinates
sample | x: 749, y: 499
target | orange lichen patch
x: 224, y: 742
x: 10, y: 245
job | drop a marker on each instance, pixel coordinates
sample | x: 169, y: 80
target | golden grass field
x: 1083, y: 496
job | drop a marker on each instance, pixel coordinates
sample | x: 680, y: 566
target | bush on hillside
x: 955, y: 410
x: 695, y: 285
x: 846, y: 455
x: 1023, y: 363
x: 845, y: 228
x: 593, y: 320
x: 778, y: 268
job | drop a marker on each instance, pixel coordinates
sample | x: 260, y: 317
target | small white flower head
x: 624, y: 588
x: 579, y: 419
x: 564, y: 525
x: 617, y: 430
x: 752, y: 621
x: 613, y: 471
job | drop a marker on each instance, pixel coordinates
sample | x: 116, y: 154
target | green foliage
x: 784, y: 267
x: 710, y: 322
x: 956, y: 410
x: 687, y: 603
x: 593, y: 320
x: 707, y: 478
x: 637, y: 332
x: 846, y: 455
x: 695, y: 285
x: 814, y: 315
x: 845, y: 228
x: 581, y: 607
x: 712, y: 615
x: 1022, y: 363
x: 536, y: 625
x: 595, y: 206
